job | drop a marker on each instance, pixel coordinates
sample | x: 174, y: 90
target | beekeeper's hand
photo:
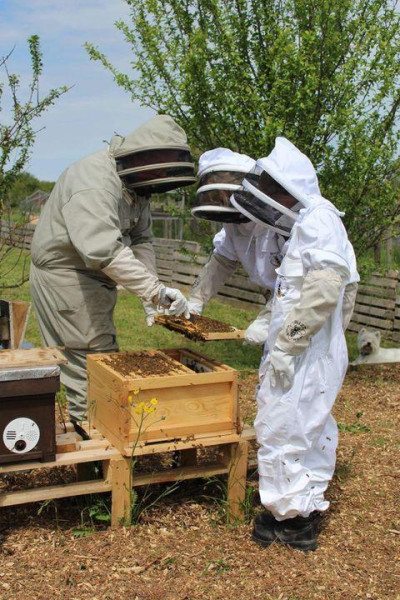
x: 281, y: 370
x: 173, y: 302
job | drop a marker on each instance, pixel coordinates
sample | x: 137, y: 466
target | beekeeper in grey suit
x: 95, y: 233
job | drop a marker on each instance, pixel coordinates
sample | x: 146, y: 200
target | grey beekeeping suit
x: 90, y: 226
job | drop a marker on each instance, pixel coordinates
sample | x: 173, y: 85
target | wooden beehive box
x: 196, y: 397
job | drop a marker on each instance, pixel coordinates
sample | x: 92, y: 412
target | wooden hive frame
x: 188, y: 330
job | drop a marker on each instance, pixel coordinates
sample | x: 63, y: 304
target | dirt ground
x: 181, y: 548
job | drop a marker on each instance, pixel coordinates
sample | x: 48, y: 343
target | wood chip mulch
x: 182, y: 550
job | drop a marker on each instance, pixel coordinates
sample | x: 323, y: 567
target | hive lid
x: 34, y: 357
x: 18, y: 374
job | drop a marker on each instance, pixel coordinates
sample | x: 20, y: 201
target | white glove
x: 150, y: 311
x: 195, y: 308
x: 257, y: 332
x: 174, y: 301
x: 281, y: 369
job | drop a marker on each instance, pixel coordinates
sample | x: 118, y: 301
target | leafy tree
x: 24, y: 185
x: 239, y: 73
x: 17, y: 136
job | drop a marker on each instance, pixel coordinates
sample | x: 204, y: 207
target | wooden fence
x: 13, y: 234
x: 179, y: 263
x: 378, y: 305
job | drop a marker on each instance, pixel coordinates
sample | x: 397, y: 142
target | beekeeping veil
x: 277, y: 187
x: 220, y: 173
x: 155, y: 158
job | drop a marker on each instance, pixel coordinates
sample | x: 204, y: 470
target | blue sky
x: 95, y: 107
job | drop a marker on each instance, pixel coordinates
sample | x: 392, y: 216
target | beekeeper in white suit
x: 312, y: 305
x: 95, y: 233
x: 240, y: 241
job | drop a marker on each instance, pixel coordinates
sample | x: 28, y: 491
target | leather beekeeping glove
x: 281, y: 369
x: 195, y: 308
x: 320, y: 295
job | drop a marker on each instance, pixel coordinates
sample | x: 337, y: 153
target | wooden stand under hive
x: 71, y: 450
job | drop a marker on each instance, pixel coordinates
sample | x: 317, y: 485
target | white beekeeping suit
x: 252, y: 245
x: 95, y: 233
x: 307, y: 357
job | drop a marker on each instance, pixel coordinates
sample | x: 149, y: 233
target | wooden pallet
x: 71, y: 450
x: 190, y: 329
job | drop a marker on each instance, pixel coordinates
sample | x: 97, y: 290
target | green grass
x: 351, y: 339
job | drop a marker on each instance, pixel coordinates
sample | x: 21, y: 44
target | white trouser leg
x: 298, y: 439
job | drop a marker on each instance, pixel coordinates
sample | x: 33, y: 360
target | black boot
x: 301, y: 532
x: 264, y: 529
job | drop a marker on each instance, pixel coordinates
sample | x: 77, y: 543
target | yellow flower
x: 154, y: 401
x: 135, y: 392
x: 139, y: 408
